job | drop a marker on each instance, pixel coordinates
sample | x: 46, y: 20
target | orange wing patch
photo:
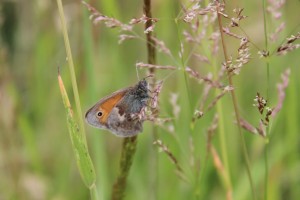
x: 107, y: 106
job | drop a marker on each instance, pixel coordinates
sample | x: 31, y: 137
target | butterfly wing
x: 123, y: 119
x: 124, y: 125
x: 117, y: 112
x: 97, y: 115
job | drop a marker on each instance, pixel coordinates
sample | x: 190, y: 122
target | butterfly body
x: 119, y: 111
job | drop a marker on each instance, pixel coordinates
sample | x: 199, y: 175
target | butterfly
x: 120, y: 112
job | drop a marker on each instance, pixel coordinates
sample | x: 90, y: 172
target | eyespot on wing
x: 104, y: 106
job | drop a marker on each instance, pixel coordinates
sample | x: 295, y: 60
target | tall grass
x: 235, y: 106
x: 76, y: 127
x: 268, y: 97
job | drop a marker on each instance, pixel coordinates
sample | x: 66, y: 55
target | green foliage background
x: 36, y: 158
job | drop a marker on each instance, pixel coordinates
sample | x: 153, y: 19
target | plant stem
x: 129, y: 144
x: 222, y: 134
x: 151, y: 54
x: 183, y: 66
x: 71, y: 68
x: 77, y: 133
x: 268, y: 98
x: 150, y: 43
x: 128, y: 151
x: 94, y: 192
x: 221, y: 126
x: 234, y: 101
x: 82, y: 156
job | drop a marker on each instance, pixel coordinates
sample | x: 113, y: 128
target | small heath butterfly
x: 120, y: 111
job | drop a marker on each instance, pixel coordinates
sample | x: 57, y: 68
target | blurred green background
x: 36, y: 158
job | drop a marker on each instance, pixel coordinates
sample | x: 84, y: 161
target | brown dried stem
x: 129, y: 144
x: 150, y: 42
x: 151, y: 49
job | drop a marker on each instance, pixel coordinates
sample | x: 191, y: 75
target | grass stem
x: 128, y: 151
x: 151, y: 55
x: 71, y: 67
x: 77, y: 133
x: 268, y: 98
x: 129, y: 144
x: 234, y: 101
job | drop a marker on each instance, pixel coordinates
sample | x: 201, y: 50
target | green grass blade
x: 80, y: 149
x: 83, y: 159
x: 71, y: 68
x: 77, y: 133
